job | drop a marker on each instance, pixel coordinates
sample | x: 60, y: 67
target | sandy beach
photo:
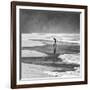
x: 39, y: 61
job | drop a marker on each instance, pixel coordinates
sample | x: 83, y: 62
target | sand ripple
x: 32, y: 53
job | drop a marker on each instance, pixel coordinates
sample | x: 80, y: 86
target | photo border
x: 13, y: 44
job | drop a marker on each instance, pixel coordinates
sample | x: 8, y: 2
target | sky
x: 46, y: 21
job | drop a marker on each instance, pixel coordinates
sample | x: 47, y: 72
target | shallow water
x: 53, y: 65
x: 39, y: 61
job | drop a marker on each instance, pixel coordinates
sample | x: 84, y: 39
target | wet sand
x: 42, y: 71
x: 39, y: 61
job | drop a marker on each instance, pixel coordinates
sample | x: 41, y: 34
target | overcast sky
x: 39, y: 21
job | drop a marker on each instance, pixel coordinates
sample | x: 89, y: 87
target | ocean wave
x: 70, y: 38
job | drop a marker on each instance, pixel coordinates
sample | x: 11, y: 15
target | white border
x: 81, y: 46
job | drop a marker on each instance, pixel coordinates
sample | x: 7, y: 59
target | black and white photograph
x: 49, y: 44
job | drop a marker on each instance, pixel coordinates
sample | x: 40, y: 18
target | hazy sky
x: 39, y: 21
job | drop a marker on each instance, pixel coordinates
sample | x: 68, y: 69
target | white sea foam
x: 70, y: 58
x: 67, y: 74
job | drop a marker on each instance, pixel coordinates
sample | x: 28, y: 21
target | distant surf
x: 29, y: 39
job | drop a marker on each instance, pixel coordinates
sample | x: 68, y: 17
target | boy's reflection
x: 54, y: 46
